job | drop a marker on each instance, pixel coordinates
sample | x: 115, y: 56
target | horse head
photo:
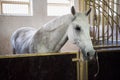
x: 79, y: 34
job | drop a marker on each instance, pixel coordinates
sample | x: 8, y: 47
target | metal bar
x: 106, y: 12
x: 82, y: 68
x: 85, y: 72
x: 78, y: 66
x: 108, y: 23
x: 106, y: 46
x: 85, y: 5
x: 117, y: 20
x: 89, y: 15
x: 99, y: 17
x: 112, y: 50
x: 82, y: 71
x: 0, y: 7
x: 79, y: 5
x: 110, y: 7
x: 103, y: 24
x: 86, y: 64
x: 82, y: 5
x: 94, y: 15
x: 112, y: 13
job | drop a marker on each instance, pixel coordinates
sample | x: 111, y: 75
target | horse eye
x: 77, y: 28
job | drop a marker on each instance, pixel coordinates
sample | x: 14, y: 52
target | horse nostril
x: 88, y: 54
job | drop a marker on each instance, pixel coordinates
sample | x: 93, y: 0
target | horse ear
x: 88, y: 12
x: 73, y: 10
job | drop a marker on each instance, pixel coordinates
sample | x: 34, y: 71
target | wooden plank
x: 38, y: 67
x: 35, y: 54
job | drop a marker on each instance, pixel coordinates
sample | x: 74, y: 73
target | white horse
x: 53, y: 35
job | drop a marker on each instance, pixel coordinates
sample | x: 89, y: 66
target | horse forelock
x: 81, y: 16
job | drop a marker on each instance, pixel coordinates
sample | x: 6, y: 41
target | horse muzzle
x: 92, y: 57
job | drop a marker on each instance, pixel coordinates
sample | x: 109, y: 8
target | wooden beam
x: 34, y: 54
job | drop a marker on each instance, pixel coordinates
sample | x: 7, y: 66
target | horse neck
x: 55, y: 31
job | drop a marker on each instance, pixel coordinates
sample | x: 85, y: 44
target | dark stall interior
x: 109, y: 65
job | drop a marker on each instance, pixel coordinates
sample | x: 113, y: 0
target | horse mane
x: 57, y: 22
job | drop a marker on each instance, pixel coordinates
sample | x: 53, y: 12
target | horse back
x: 21, y: 39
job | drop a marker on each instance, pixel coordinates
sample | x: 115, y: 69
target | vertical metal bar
x: 118, y: 21
x: 85, y: 1
x: 112, y: 13
x: 78, y: 66
x: 86, y: 69
x: 81, y: 67
x: 94, y: 13
x: 117, y: 25
x: 89, y: 15
x: 99, y: 17
x: 79, y: 5
x: 103, y: 39
x: 108, y: 22
x: 82, y: 5
x: 81, y: 70
x: 0, y: 7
